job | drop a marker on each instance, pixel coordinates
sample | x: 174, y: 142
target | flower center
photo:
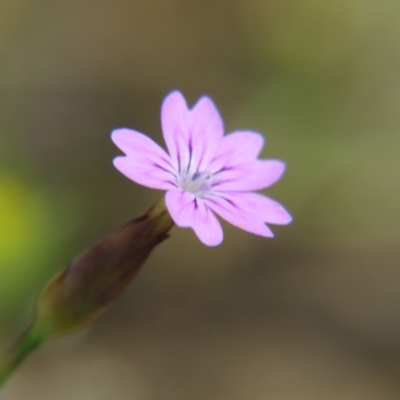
x: 199, y: 183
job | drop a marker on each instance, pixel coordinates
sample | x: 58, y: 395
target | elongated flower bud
x: 83, y: 291
x: 99, y: 275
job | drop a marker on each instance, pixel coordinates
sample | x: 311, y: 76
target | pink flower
x: 205, y: 171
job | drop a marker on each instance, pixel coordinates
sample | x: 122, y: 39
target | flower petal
x: 237, y: 148
x: 192, y: 136
x: 237, y: 216
x: 146, y: 162
x: 206, y: 133
x: 135, y: 144
x: 144, y: 173
x: 179, y: 204
x: 254, y: 175
x: 260, y: 206
x: 175, y: 121
x: 187, y: 211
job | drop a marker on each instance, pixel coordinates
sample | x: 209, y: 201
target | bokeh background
x: 311, y: 314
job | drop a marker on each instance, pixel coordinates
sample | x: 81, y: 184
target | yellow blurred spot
x: 22, y: 216
x: 24, y: 235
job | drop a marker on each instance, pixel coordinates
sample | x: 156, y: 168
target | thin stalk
x: 29, y: 341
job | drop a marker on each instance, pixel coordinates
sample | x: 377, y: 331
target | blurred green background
x: 311, y: 314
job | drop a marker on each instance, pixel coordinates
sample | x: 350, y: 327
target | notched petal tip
x: 214, y: 242
x: 278, y: 216
x: 174, y: 101
x: 119, y: 134
x: 256, y: 139
x: 208, y: 229
x: 204, y: 110
x: 125, y: 138
x: 205, y: 101
x: 268, y: 232
x: 279, y: 164
x: 118, y: 161
x: 175, y: 92
x: 285, y: 217
x: 274, y: 169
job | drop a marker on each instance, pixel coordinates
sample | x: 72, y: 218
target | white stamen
x: 199, y: 183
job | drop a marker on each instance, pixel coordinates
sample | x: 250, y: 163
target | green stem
x: 29, y: 341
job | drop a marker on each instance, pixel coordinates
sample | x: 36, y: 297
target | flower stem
x: 86, y: 288
x: 29, y: 341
